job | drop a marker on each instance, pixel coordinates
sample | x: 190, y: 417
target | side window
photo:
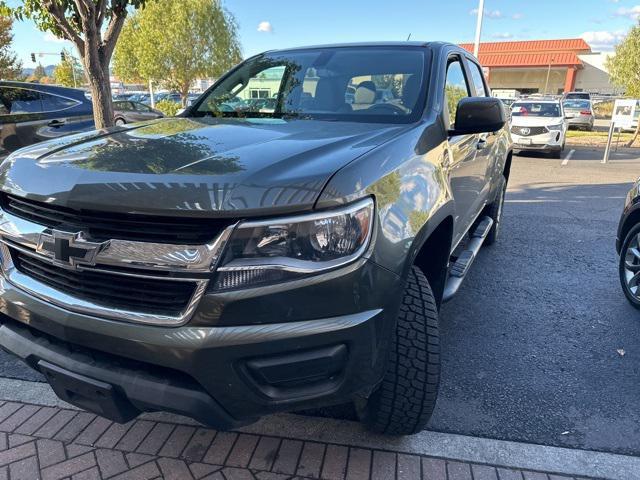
x: 456, y: 88
x: 478, y: 79
x: 141, y: 107
x: 53, y: 103
x: 19, y: 100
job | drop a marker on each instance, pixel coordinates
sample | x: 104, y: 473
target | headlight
x: 272, y: 251
x: 555, y: 127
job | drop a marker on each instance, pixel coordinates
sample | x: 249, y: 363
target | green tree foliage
x: 10, y: 66
x: 175, y: 42
x: 169, y: 108
x: 68, y: 72
x: 39, y: 73
x: 624, y: 67
x: 93, y: 26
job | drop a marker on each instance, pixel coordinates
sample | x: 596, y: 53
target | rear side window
x: 53, y: 103
x: 19, y: 100
x: 456, y: 88
x: 478, y: 79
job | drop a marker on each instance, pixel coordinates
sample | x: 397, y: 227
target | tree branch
x: 57, y: 12
x: 113, y: 31
x: 102, y: 11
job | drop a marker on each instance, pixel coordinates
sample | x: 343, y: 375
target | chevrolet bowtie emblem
x: 68, y: 249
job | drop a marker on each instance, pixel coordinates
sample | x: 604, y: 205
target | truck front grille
x: 109, y: 291
x: 108, y: 225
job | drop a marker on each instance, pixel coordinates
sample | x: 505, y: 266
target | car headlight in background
x: 555, y: 127
x: 272, y: 251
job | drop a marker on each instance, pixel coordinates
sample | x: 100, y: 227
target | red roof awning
x: 567, y: 59
x: 577, y: 45
x: 533, y: 53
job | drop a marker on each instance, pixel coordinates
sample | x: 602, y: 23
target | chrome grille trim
x: 128, y: 253
x: 188, y: 263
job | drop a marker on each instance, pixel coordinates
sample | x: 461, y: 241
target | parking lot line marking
x: 568, y: 157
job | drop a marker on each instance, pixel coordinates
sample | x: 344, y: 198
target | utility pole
x: 546, y: 84
x: 476, y: 44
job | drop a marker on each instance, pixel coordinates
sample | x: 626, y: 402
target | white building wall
x: 594, y: 76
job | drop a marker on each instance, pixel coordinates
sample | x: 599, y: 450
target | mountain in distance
x: 48, y: 69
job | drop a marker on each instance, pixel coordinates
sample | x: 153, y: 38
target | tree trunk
x: 635, y: 135
x: 184, y: 94
x: 101, y: 98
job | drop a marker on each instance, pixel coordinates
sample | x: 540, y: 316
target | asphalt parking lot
x: 530, y: 342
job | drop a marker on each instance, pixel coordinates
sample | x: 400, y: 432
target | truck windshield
x: 363, y: 84
x: 534, y: 109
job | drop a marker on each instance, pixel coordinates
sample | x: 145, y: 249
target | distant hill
x: 49, y: 69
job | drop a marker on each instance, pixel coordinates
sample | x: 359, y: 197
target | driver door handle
x: 56, y: 123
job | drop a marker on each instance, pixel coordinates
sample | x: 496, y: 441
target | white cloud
x: 50, y: 37
x: 602, y: 39
x: 502, y: 35
x: 633, y: 13
x: 265, y: 27
x: 487, y: 13
x: 517, y: 16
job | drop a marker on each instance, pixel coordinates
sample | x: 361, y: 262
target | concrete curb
x: 449, y: 446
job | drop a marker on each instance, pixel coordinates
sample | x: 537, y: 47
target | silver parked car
x: 129, y: 112
x: 579, y: 114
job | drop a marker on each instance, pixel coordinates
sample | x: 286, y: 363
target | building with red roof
x: 544, y: 66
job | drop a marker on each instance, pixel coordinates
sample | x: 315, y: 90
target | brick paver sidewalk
x: 52, y: 443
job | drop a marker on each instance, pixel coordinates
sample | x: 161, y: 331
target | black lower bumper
x: 308, y: 371
x: 113, y: 388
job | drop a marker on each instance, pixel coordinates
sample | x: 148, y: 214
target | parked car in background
x: 31, y: 113
x: 576, y: 96
x: 227, y: 265
x: 129, y: 112
x: 579, y: 114
x: 628, y: 246
x: 538, y: 124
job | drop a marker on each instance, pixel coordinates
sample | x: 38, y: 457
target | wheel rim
x: 632, y: 266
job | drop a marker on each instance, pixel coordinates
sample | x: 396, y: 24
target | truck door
x: 466, y: 167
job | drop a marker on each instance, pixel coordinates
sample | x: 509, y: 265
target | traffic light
x: 62, y: 57
x: 33, y: 57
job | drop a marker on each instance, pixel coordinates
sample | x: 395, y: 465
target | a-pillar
x: 570, y: 80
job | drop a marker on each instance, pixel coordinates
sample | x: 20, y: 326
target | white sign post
x: 623, y: 114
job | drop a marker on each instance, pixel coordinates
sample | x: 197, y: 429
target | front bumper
x: 224, y: 376
x: 551, y: 141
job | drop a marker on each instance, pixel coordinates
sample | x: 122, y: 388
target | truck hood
x: 192, y: 166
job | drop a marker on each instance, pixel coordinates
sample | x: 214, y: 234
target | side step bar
x: 458, y: 270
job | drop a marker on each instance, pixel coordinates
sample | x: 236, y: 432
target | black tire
x: 120, y: 121
x: 404, y: 401
x: 632, y: 237
x: 495, y: 212
x: 556, y: 153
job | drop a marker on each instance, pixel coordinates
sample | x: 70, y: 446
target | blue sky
x: 285, y: 23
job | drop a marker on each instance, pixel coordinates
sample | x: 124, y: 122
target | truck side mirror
x: 479, y: 115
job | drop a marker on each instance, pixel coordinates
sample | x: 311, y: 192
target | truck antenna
x: 409, y: 37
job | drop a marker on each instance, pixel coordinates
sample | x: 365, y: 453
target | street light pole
x: 546, y: 84
x: 476, y: 44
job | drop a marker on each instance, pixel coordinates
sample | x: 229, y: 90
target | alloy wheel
x: 632, y: 266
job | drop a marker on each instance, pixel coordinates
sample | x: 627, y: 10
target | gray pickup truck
x: 239, y: 261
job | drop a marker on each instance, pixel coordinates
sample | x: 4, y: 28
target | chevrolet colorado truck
x: 235, y: 262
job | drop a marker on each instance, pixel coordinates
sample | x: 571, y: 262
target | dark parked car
x: 628, y: 246
x: 227, y: 265
x: 31, y: 113
x: 129, y: 112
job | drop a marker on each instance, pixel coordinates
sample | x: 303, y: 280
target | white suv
x: 538, y: 125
